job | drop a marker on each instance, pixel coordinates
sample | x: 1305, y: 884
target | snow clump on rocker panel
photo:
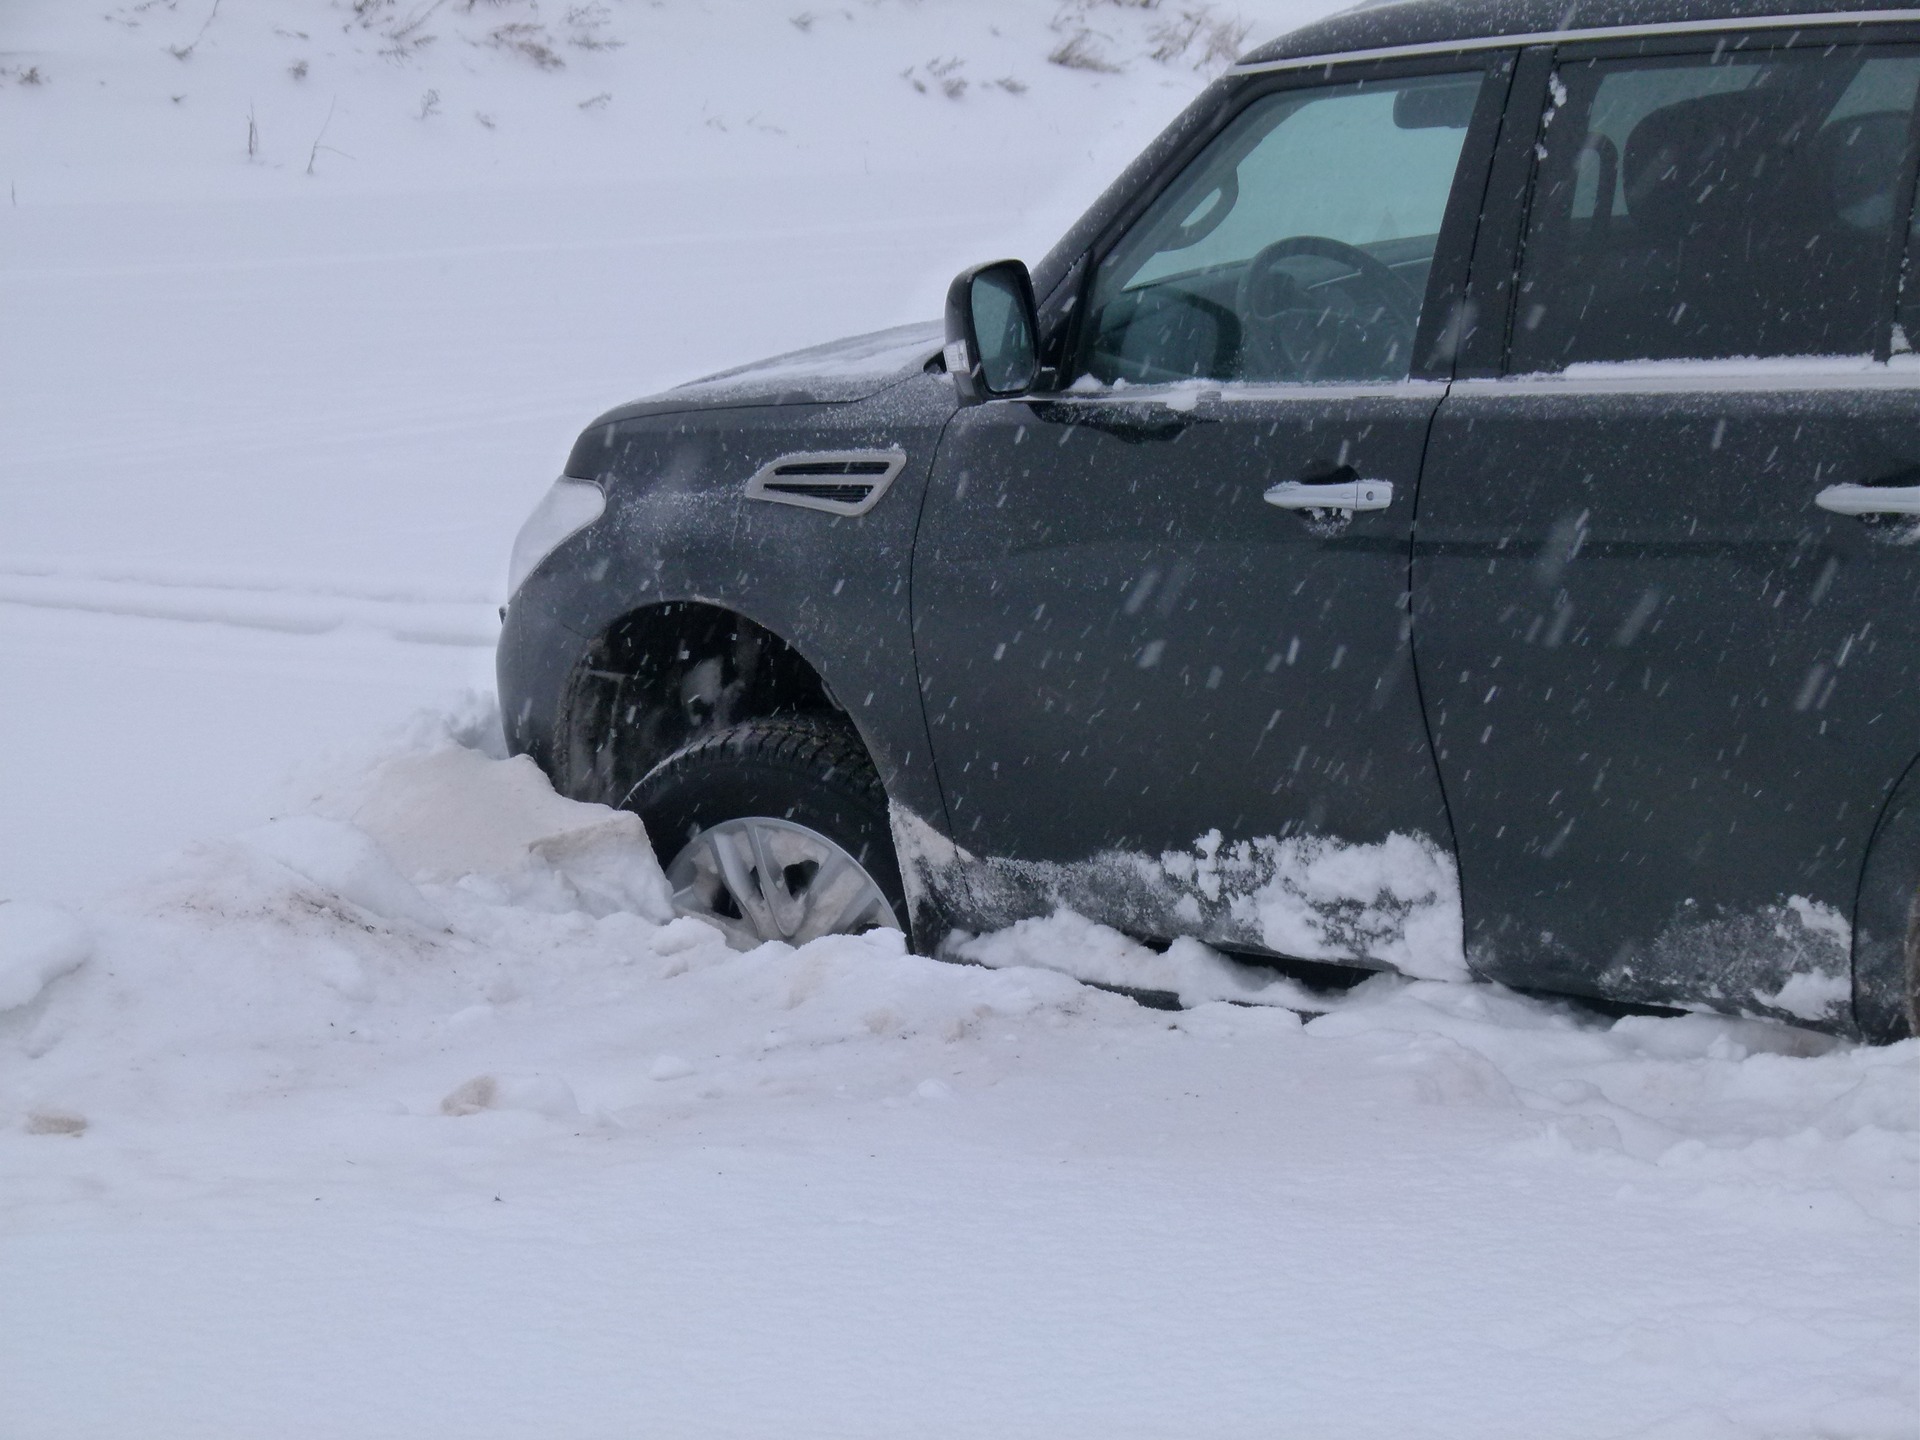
x: 1392, y: 903
x: 1395, y: 902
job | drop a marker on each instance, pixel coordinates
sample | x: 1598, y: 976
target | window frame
x: 1447, y: 280
x: 1902, y: 308
x: 1531, y: 95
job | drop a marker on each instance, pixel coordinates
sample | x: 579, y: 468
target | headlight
x: 567, y: 509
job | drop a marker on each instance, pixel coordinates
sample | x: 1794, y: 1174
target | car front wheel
x: 774, y: 830
x: 1913, y: 964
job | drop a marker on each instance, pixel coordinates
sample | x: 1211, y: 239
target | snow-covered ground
x: 350, y: 1082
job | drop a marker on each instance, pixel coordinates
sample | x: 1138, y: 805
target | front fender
x: 680, y: 526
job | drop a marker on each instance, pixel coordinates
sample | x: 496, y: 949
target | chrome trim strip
x: 759, y: 485
x: 1179, y: 398
x: 1706, y: 380
x: 1607, y: 32
x: 1628, y: 379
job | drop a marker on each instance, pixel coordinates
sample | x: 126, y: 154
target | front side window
x: 1296, y: 248
x: 1716, y: 206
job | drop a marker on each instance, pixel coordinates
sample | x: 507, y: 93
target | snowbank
x: 38, y: 943
x: 343, y: 1039
x: 377, y: 95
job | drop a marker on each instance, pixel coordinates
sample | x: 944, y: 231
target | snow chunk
x: 1812, y: 996
x: 1822, y: 920
x: 345, y: 860
x: 454, y: 812
x: 1437, y: 1070
x: 1822, y: 991
x: 540, y: 1094
x: 48, y: 1121
x: 38, y: 944
x: 1074, y: 945
x: 1397, y: 901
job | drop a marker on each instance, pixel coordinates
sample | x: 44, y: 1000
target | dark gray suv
x: 1451, y: 506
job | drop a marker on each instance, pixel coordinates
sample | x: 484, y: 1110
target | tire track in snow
x: 350, y: 430
x: 425, y: 618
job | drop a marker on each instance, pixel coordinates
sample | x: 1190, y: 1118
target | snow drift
x: 442, y: 990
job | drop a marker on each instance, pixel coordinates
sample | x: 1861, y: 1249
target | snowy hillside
x: 353, y: 1084
x: 192, y: 98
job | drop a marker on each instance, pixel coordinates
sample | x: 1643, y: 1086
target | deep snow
x: 351, y: 1083
x: 406, y: 1115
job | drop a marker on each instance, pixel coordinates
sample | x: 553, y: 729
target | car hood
x: 836, y: 373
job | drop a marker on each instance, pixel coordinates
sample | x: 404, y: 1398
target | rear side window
x: 1717, y: 206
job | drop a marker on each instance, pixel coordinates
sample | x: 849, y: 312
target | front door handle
x: 1864, y: 499
x: 1331, y: 495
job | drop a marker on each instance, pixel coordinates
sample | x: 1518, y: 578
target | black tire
x: 808, y: 770
x: 1913, y: 965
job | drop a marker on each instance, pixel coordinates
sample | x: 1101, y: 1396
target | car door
x: 1670, y: 665
x: 1154, y: 694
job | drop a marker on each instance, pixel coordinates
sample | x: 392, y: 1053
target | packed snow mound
x: 541, y: 1094
x: 448, y: 932
x: 37, y: 943
x: 454, y: 813
x: 461, y: 891
x: 1191, y: 972
x: 345, y: 862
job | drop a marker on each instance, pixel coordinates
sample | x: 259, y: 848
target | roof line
x: 1823, y: 20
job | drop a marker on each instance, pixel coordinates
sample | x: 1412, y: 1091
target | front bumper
x: 534, y: 665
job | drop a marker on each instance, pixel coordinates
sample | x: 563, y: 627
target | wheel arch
x: 1886, y: 916
x: 663, y: 675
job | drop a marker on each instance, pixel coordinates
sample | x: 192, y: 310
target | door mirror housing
x: 992, y: 332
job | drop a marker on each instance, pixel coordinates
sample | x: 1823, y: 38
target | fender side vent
x: 840, y: 482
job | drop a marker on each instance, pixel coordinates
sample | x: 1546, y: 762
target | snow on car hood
x: 835, y: 373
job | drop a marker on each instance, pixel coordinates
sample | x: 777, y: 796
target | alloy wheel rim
x: 761, y: 879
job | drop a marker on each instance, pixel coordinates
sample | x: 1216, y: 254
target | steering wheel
x: 1358, y: 327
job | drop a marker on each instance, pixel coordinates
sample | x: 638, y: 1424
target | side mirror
x: 992, y: 332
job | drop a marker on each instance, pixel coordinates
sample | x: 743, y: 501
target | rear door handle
x: 1860, y: 499
x: 1333, y: 495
